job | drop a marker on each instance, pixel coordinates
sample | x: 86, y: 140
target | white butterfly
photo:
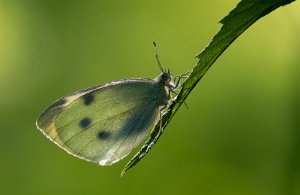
x: 102, y: 124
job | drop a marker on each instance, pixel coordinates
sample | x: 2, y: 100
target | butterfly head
x: 165, y: 79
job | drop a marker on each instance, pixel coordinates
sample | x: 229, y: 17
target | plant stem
x: 239, y: 19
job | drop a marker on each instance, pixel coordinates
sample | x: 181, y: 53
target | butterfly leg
x: 160, y: 116
x: 160, y: 122
x: 179, y: 77
x: 183, y: 101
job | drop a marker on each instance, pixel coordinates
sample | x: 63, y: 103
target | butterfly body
x: 102, y: 124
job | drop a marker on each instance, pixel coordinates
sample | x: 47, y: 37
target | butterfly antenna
x: 157, y: 58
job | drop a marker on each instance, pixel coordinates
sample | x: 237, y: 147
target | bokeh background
x: 241, y: 134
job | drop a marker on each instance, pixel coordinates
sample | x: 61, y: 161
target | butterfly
x: 104, y: 123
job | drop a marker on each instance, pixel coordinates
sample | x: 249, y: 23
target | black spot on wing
x: 85, y: 122
x: 103, y: 135
x: 88, y: 98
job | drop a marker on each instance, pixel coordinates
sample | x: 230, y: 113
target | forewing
x: 104, y: 123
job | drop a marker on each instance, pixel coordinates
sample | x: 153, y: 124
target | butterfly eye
x: 165, y: 77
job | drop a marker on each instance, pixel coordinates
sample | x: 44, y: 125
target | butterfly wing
x: 103, y: 124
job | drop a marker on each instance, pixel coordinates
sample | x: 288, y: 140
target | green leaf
x: 239, y: 19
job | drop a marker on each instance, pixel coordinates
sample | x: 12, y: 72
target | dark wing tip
x: 47, y: 116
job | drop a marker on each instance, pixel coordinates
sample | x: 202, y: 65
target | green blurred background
x: 241, y: 134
